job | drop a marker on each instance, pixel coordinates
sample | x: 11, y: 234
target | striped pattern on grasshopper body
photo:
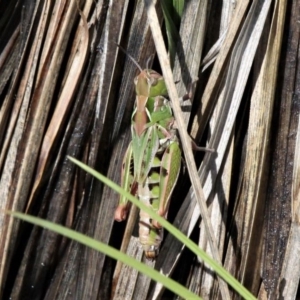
x: 152, y: 161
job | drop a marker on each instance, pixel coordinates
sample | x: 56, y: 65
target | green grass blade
x: 111, y: 252
x: 180, y: 236
x: 172, y: 11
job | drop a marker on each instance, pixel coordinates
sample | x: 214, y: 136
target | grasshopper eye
x: 152, y: 81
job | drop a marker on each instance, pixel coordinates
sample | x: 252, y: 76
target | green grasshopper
x: 152, y: 161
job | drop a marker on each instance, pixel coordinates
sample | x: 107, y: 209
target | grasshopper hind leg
x: 128, y: 183
x: 169, y: 172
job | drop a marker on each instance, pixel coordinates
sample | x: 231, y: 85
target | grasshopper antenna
x: 148, y: 61
x: 132, y: 59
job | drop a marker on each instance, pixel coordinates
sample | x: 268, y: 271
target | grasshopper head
x: 150, y: 84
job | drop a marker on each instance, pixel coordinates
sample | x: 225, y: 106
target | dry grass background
x: 66, y: 89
